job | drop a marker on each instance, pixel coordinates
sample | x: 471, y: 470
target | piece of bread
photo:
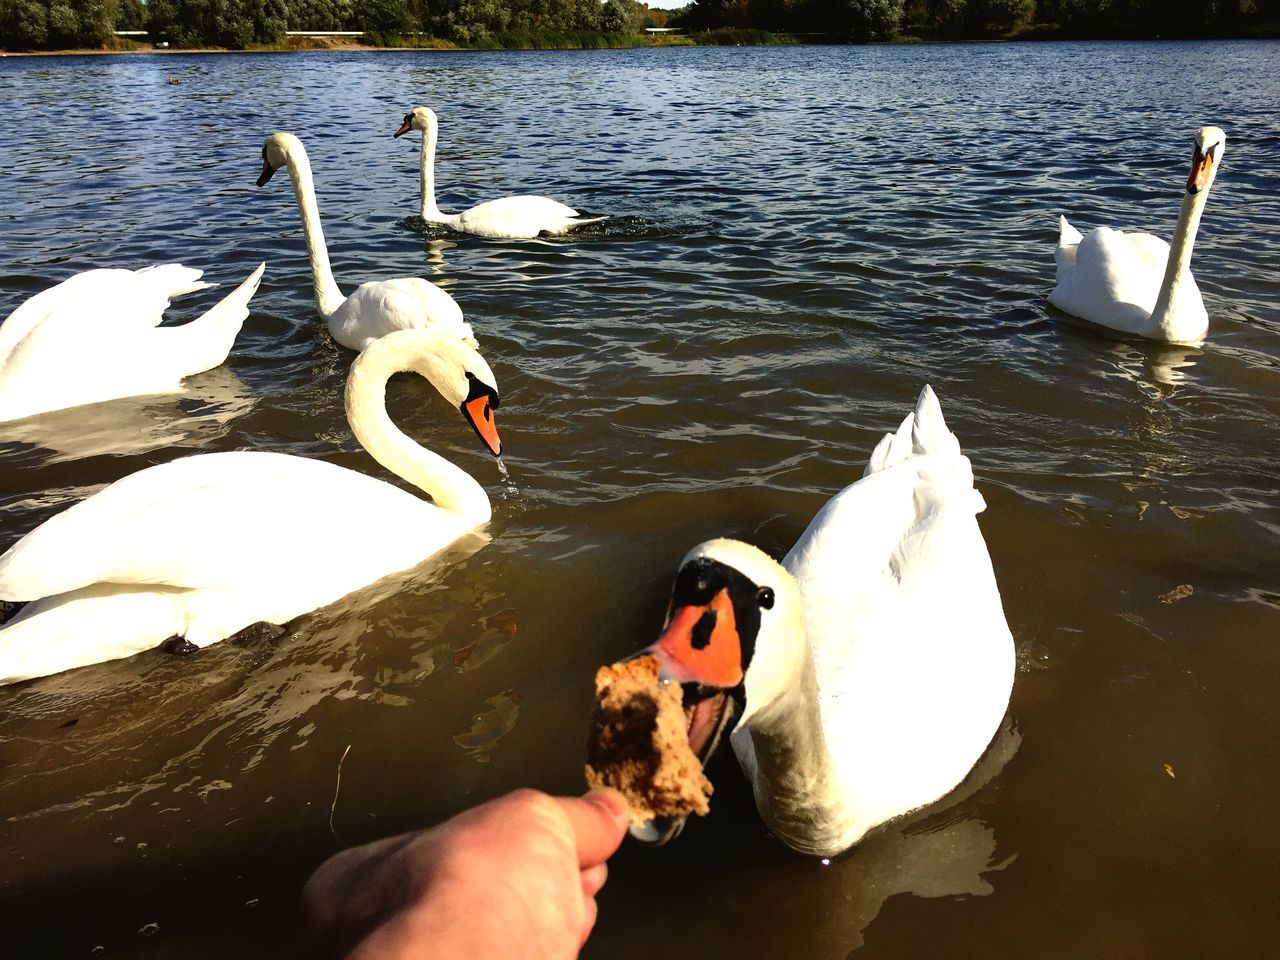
x: 639, y: 743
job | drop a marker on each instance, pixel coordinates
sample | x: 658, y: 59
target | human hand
x: 515, y: 877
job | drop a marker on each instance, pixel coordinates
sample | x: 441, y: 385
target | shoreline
x: 351, y: 47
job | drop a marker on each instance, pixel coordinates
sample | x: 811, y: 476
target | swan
x: 376, y: 308
x: 1133, y: 282
x: 96, y: 336
x: 507, y: 218
x: 206, y: 546
x: 865, y: 675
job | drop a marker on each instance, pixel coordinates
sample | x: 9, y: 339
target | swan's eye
x: 764, y: 597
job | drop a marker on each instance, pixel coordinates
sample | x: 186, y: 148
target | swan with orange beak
x: 1135, y: 283
x: 865, y: 675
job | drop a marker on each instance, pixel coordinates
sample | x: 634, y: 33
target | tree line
x: 236, y: 24
x: 862, y: 20
x: 63, y: 24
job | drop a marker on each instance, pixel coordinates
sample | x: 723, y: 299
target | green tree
x: 24, y: 25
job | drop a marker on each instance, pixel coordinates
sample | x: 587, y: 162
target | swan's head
x: 276, y: 151
x: 734, y: 640
x: 1211, y: 143
x: 419, y: 118
x: 454, y: 367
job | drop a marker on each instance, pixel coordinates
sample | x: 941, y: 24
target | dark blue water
x: 803, y: 237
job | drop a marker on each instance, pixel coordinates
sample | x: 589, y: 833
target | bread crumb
x: 639, y: 743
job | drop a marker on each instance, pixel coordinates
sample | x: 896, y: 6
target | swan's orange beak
x: 701, y: 645
x: 404, y: 128
x: 1201, y: 169
x: 479, y: 411
x: 267, y: 171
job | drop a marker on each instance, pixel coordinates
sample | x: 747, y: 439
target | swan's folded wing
x: 1123, y: 268
x: 208, y: 521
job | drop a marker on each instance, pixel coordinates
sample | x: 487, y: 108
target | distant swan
x: 375, y: 308
x: 865, y: 675
x: 205, y: 546
x: 96, y: 336
x: 508, y: 218
x: 1133, y: 282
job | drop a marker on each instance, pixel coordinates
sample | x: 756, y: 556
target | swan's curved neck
x: 798, y: 792
x: 328, y: 297
x: 451, y: 487
x: 428, y: 209
x: 1178, y: 270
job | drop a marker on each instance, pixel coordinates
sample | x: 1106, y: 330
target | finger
x: 593, y: 879
x: 589, y: 910
x: 599, y: 822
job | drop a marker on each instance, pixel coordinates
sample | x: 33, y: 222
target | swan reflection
x: 133, y: 425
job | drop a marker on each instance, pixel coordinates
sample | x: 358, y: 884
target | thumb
x: 599, y: 822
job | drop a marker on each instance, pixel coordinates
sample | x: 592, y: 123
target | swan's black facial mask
x: 267, y: 169
x: 406, y: 126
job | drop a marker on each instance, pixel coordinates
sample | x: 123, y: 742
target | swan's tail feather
x: 206, y: 341
x: 923, y: 431
x: 1068, y: 236
x: 583, y: 221
x: 175, y: 279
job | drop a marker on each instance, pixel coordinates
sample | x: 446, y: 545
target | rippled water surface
x: 803, y: 237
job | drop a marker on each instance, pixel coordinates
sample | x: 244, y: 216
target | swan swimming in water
x: 507, y: 218
x: 206, y: 546
x: 375, y: 308
x: 865, y: 675
x: 96, y: 336
x: 1134, y: 282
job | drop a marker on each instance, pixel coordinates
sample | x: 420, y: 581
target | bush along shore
x: 59, y: 25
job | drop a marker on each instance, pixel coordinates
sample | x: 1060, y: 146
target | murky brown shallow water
x: 803, y: 237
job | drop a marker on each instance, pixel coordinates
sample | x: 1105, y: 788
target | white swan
x: 97, y: 336
x: 508, y: 218
x: 376, y: 308
x: 1133, y: 282
x: 206, y: 546
x: 868, y: 672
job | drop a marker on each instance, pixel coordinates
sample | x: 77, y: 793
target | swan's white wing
x: 379, y: 307
x: 80, y: 354
x: 519, y: 218
x: 220, y: 521
x: 108, y: 298
x: 913, y: 656
x: 1113, y: 280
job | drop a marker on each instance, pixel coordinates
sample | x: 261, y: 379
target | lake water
x: 803, y: 237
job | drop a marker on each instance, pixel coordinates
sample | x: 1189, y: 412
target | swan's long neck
x: 797, y: 791
x: 428, y: 209
x: 328, y: 297
x: 451, y: 487
x: 1178, y: 270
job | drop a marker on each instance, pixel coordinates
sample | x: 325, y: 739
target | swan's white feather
x: 911, y: 651
x: 96, y: 337
x: 520, y: 218
x: 204, y: 546
x: 379, y: 307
